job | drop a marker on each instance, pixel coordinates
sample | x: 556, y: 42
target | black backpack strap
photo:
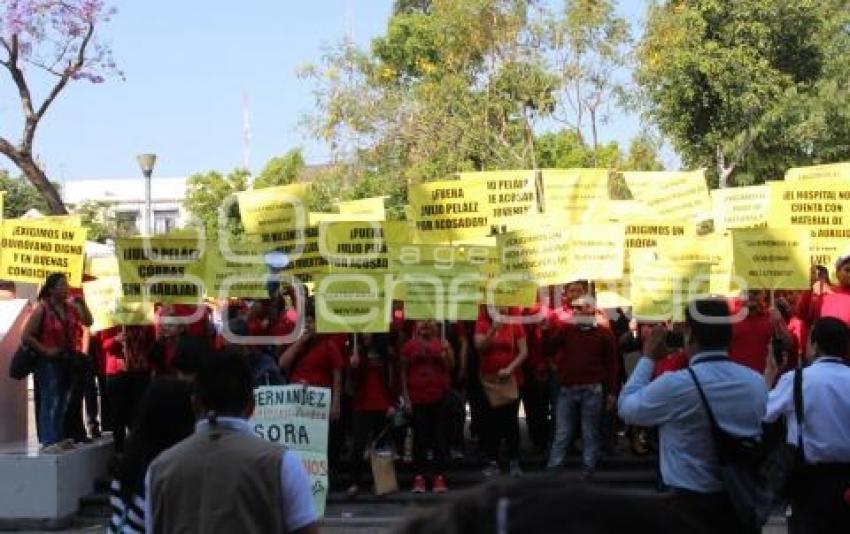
x: 715, y: 428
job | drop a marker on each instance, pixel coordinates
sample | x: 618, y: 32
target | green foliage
x: 751, y: 86
x: 209, y: 193
x: 100, y: 220
x: 21, y: 196
x: 281, y: 170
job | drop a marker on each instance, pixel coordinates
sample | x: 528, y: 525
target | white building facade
x: 127, y: 199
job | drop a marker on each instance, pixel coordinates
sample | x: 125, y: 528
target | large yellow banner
x: 301, y: 246
x: 450, y: 210
x: 162, y: 269
x: 500, y: 289
x: 661, y: 290
x: 272, y: 209
x: 575, y: 194
x: 360, y: 246
x: 832, y: 171
x: 101, y: 266
x: 741, y: 207
x: 353, y: 303
x: 672, y: 195
x: 240, y: 272
x: 371, y: 207
x: 596, y: 252
x: 108, y: 308
x: 768, y: 258
x: 33, y: 249
x: 819, y: 205
x: 541, y: 254
x: 512, y: 195
x: 441, y: 294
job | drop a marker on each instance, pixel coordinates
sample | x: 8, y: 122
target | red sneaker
x: 440, y: 484
x: 418, y: 484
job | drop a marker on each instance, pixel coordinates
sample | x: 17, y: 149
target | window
x: 165, y: 221
x: 128, y: 222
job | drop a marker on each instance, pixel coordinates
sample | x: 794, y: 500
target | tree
x: 207, y: 194
x: 459, y: 85
x: 20, y: 196
x: 281, y: 170
x: 748, y: 87
x: 100, y: 220
x: 642, y: 155
x: 590, y: 45
x: 57, y: 39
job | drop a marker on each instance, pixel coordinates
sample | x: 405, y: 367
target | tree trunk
x: 723, y: 171
x: 595, y: 134
x: 36, y: 176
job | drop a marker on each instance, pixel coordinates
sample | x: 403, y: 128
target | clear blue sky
x: 187, y: 65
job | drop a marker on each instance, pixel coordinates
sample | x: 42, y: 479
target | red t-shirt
x: 371, y: 391
x: 750, y: 341
x: 835, y: 304
x: 427, y: 373
x: 502, y: 349
x: 111, y: 361
x: 317, y: 364
x: 670, y: 363
x: 58, y: 333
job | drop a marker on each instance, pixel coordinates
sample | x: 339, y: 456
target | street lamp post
x: 146, y: 163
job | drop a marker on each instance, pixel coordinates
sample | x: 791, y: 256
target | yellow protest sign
x: 315, y: 218
x: 101, y: 266
x: 832, y: 171
x: 714, y: 249
x: 541, y: 254
x: 741, y: 207
x: 450, y: 210
x: 595, y: 252
x: 672, y: 195
x: 620, y: 211
x: 242, y: 273
x: 33, y: 249
x: 271, y: 209
x: 360, y: 246
x: 371, y: 207
x: 826, y: 250
x: 499, y: 289
x: 661, y: 290
x: 512, y: 195
x: 106, y: 302
x: 442, y: 295
x: 768, y: 258
x: 162, y: 269
x: 575, y: 194
x: 646, y: 232
x: 819, y: 205
x: 302, y: 249
x: 353, y: 303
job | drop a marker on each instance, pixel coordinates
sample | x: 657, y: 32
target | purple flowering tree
x: 49, y: 43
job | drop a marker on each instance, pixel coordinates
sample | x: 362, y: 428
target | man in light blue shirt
x: 818, y: 501
x: 736, y: 394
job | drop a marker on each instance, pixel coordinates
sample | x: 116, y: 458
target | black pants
x: 120, y: 401
x: 429, y: 435
x: 80, y: 376
x: 817, y: 503
x: 714, y: 511
x: 455, y: 406
x: 501, y: 423
x: 368, y: 425
x: 535, y: 399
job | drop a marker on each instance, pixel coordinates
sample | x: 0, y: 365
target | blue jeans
x: 575, y: 401
x: 53, y: 398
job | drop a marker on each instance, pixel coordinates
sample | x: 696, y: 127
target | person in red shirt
x: 585, y: 357
x: 371, y: 376
x: 752, y: 335
x: 315, y: 360
x: 829, y: 300
x: 502, y: 349
x: 126, y: 381
x: 535, y: 391
x: 426, y: 361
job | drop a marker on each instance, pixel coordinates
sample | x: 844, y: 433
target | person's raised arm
x: 287, y: 358
x: 643, y: 403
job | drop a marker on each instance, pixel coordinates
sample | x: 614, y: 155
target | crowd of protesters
x: 566, y: 363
